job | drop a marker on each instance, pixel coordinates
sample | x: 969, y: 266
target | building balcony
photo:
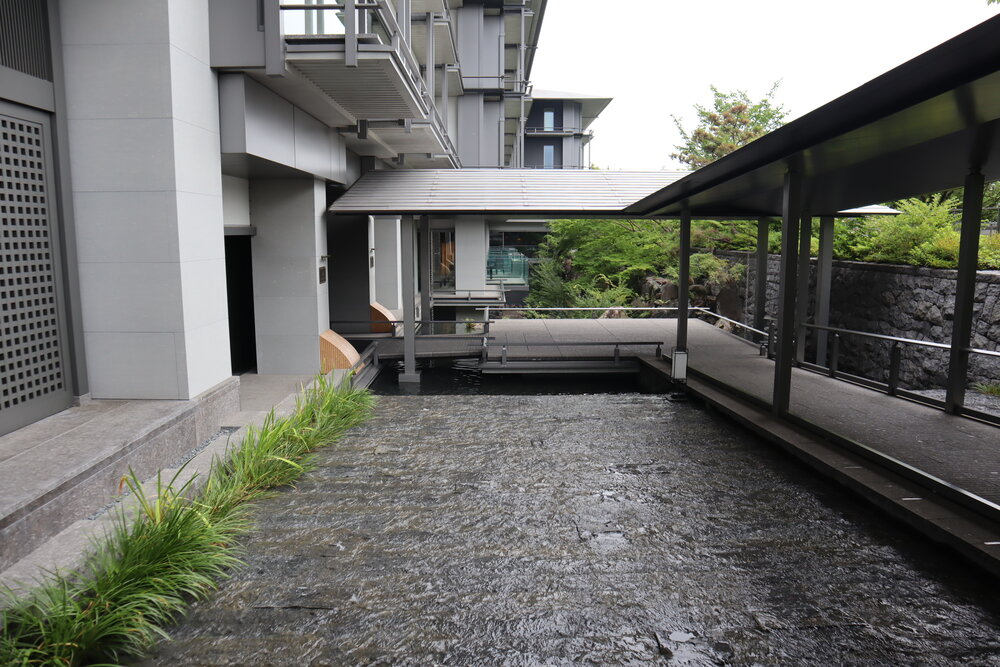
x: 348, y: 63
x: 443, y: 39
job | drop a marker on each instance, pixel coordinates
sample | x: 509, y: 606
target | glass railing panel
x: 317, y: 22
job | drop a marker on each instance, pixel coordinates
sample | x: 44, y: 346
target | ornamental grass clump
x: 988, y: 388
x: 173, y: 548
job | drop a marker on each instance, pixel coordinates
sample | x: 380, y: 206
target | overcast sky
x: 657, y: 58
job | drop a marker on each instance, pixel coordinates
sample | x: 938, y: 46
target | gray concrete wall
x: 235, y: 201
x: 387, y: 288
x: 471, y: 246
x: 256, y: 121
x: 903, y: 301
x: 291, y: 307
x: 144, y: 156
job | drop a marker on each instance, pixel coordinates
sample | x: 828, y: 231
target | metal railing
x: 766, y: 335
x: 369, y: 355
x: 617, y: 345
x: 559, y: 130
x: 891, y: 385
x: 351, y: 15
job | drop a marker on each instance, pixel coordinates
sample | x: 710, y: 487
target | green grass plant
x: 988, y: 388
x: 173, y: 547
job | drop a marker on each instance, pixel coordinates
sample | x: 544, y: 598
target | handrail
x: 403, y: 322
x: 583, y: 343
x: 616, y: 343
x: 894, y: 339
x: 765, y: 334
x: 370, y: 354
x: 515, y: 308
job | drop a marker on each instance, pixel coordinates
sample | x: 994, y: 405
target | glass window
x: 549, y: 156
x: 549, y: 119
x: 444, y: 258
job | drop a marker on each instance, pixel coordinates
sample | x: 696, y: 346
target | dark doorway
x: 239, y: 281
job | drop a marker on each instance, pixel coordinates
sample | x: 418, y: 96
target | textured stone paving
x: 594, y: 529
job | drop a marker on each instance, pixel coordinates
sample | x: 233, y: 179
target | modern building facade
x: 557, y: 131
x: 168, y: 165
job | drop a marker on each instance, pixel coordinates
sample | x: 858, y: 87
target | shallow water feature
x: 580, y: 529
x: 463, y: 377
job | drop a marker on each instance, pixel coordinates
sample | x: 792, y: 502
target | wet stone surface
x: 557, y: 530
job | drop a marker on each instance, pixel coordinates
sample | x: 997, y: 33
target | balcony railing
x: 569, y: 131
x: 359, y: 26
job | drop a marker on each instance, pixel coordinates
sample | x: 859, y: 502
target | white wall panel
x: 235, y: 201
x: 144, y: 156
x: 471, y: 242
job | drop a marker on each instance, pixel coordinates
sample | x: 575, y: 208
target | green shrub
x: 896, y: 239
x: 939, y: 252
x: 709, y: 268
x: 989, y: 252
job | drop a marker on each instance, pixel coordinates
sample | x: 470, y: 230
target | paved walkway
x: 585, y: 529
x: 961, y: 451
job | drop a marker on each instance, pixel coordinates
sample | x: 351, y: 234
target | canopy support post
x: 683, y: 277
x: 760, y: 275
x: 965, y: 292
x: 410, y: 375
x: 824, y: 280
x: 791, y: 213
x: 802, y: 290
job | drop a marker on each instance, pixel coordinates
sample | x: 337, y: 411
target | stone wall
x: 904, y: 301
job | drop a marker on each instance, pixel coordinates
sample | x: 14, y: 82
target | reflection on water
x: 462, y: 377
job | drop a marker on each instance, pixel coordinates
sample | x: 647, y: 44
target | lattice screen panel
x: 30, y: 363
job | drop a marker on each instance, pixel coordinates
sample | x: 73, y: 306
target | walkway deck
x: 957, y: 450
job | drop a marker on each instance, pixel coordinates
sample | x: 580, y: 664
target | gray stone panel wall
x: 903, y: 301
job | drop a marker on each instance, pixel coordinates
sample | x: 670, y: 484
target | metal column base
x: 409, y: 378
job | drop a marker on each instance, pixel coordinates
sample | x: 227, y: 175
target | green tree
x: 731, y: 121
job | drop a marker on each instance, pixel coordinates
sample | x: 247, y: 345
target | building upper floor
x: 557, y: 129
x: 390, y: 74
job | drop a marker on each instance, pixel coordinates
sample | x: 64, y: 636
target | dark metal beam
x: 760, y: 275
x: 785, y: 329
x: 802, y: 287
x: 965, y: 292
x: 824, y: 278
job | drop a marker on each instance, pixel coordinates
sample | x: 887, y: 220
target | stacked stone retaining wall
x: 903, y: 301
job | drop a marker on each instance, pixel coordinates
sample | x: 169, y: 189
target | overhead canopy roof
x: 538, y: 192
x: 914, y: 130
